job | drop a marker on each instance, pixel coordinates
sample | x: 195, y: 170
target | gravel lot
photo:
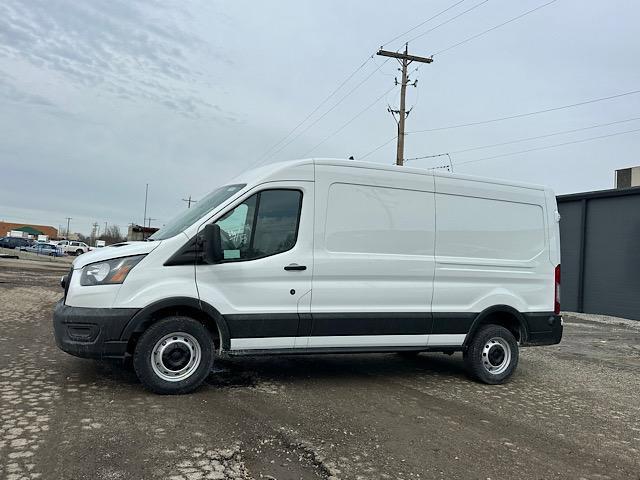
x: 571, y: 411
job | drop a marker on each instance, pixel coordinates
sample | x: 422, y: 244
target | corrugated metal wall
x: 600, y: 242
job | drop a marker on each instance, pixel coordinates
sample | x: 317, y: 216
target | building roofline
x: 614, y: 192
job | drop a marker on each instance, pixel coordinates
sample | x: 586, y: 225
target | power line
x: 447, y: 21
x: 324, y: 114
x: 422, y: 23
x: 379, y: 147
x: 563, y: 132
x: 440, y: 166
x: 423, y: 157
x: 550, y: 146
x: 323, y: 102
x: 495, y: 27
x: 351, y: 120
x: 520, y: 115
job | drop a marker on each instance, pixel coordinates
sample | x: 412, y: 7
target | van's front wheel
x: 174, y: 356
x: 492, y: 354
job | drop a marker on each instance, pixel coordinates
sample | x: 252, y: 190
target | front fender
x: 147, y: 316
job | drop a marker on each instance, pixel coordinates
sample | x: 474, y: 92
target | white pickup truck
x: 72, y: 247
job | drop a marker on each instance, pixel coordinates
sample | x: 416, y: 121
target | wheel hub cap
x: 176, y: 356
x: 496, y: 356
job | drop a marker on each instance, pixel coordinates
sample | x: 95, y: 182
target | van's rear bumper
x: 543, y: 329
x: 91, y: 332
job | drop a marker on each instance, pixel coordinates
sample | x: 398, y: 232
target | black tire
x: 488, y: 351
x: 179, y: 329
x: 79, y: 252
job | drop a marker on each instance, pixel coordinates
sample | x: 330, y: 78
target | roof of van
x: 273, y: 169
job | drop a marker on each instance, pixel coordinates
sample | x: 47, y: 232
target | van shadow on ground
x: 238, y: 372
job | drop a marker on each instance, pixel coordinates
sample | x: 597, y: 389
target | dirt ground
x: 571, y: 410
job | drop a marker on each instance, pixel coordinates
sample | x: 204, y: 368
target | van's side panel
x: 492, y: 248
x: 373, y: 258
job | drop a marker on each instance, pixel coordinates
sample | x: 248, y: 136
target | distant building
x: 29, y: 229
x: 138, y: 232
x: 628, y: 177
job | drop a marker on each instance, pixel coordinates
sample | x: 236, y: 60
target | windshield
x: 189, y: 216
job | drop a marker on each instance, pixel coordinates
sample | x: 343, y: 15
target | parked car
x: 73, y: 247
x: 45, y: 249
x: 326, y: 256
x: 15, y: 242
x: 30, y: 243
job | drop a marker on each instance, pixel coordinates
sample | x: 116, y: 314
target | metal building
x: 627, y: 177
x: 600, y: 246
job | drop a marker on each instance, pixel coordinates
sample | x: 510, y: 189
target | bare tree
x: 112, y: 235
x: 84, y: 238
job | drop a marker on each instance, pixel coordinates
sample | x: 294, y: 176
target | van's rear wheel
x: 174, y: 356
x: 492, y: 355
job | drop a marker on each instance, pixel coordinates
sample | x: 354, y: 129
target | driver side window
x: 264, y: 224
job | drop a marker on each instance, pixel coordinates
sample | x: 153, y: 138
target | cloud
x: 137, y: 51
x: 10, y: 92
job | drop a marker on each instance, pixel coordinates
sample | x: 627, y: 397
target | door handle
x: 295, y: 266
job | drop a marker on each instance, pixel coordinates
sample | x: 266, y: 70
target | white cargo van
x: 325, y: 256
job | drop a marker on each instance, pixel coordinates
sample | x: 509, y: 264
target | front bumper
x: 91, y: 332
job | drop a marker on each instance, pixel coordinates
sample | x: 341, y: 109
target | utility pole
x: 189, y: 201
x: 405, y: 59
x: 150, y: 219
x: 94, y: 234
x: 105, y: 228
x: 146, y: 194
x: 68, y: 222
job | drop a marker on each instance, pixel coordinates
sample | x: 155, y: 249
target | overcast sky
x: 98, y: 98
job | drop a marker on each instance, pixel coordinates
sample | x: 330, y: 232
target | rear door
x: 373, y: 258
x: 267, y: 266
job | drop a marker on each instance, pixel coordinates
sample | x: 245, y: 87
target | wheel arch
x: 187, y: 306
x: 503, y: 315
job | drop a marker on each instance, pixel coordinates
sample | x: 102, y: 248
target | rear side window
x: 265, y: 224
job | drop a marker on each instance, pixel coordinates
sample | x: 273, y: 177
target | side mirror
x: 212, y: 245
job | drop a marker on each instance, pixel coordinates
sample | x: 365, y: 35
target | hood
x: 126, y: 249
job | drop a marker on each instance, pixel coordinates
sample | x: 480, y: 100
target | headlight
x: 108, y: 272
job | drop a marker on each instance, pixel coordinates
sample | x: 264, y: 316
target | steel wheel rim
x: 176, y: 356
x: 496, y: 355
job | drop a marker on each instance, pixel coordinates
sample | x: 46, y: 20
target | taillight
x: 556, y: 301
